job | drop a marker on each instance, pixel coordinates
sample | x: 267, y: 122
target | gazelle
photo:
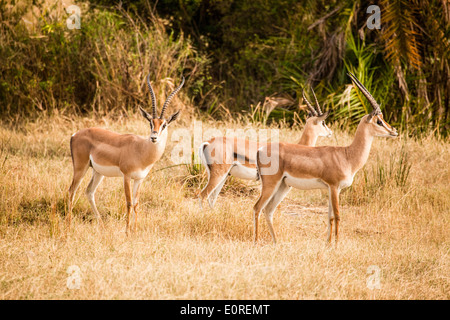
x: 323, y: 167
x: 223, y: 156
x: 112, y: 154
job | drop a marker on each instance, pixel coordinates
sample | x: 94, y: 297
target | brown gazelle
x: 223, y: 156
x: 323, y: 167
x: 112, y: 154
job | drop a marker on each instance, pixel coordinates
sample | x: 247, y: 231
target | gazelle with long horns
x: 112, y: 154
x: 224, y: 156
x: 323, y: 167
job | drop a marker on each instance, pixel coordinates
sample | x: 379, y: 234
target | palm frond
x: 400, y: 33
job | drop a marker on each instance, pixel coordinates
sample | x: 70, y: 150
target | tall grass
x: 397, y: 220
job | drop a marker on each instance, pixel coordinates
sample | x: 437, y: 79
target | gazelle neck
x: 308, y: 138
x: 358, y: 152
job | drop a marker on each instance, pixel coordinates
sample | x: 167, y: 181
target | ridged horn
x: 310, y: 107
x: 170, y: 98
x: 373, y: 102
x: 152, y: 94
x: 317, y: 102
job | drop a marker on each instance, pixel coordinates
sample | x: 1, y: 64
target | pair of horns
x: 314, y: 112
x: 166, y: 103
x: 376, y: 107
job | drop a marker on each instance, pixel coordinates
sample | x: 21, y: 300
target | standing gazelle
x: 324, y: 167
x: 112, y: 154
x: 223, y: 156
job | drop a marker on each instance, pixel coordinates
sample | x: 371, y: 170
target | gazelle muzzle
x: 154, y: 136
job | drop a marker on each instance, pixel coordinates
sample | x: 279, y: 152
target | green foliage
x: 348, y: 103
x: 236, y: 53
x: 263, y: 46
x: 101, y: 67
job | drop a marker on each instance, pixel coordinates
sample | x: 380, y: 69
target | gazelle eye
x: 379, y: 122
x: 323, y: 123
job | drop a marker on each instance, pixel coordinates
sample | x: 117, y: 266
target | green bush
x: 102, y: 67
x: 235, y: 52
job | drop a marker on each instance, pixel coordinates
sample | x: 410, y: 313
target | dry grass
x: 180, y: 252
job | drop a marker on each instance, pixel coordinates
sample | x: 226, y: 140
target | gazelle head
x: 158, y: 125
x: 377, y: 126
x: 316, y: 119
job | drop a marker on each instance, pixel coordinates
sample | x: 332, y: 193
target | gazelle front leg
x: 335, y: 204
x: 333, y: 212
x: 127, y: 188
x: 136, y: 188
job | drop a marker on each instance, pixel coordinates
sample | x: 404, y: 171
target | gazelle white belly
x: 114, y: 171
x: 304, y: 184
x: 243, y: 172
x: 107, y: 171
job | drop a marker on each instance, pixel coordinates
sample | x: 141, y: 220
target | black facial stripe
x: 383, y: 124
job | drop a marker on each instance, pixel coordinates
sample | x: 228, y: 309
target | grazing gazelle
x: 323, y: 167
x: 223, y: 156
x: 112, y: 154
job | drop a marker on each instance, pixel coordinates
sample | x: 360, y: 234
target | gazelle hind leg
x: 273, y: 203
x: 90, y: 193
x: 267, y: 192
x: 213, y: 196
x: 216, y: 180
x: 201, y: 153
x: 200, y: 202
x: 78, y: 174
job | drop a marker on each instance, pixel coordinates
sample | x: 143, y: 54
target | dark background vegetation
x: 234, y: 53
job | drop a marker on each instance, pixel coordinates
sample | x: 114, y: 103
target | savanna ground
x: 394, y: 224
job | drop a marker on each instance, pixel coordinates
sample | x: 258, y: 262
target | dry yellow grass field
x: 394, y: 236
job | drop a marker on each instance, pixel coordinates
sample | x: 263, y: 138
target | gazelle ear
x: 173, y: 117
x: 369, y: 118
x: 323, y: 116
x: 145, y: 114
